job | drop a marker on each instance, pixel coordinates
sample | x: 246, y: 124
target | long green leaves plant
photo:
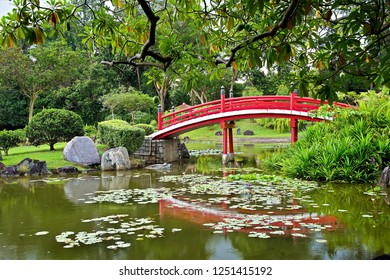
x: 354, y: 147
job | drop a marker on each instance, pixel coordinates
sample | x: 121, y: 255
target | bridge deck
x: 223, y: 110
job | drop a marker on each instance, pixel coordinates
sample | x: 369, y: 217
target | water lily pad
x: 124, y: 245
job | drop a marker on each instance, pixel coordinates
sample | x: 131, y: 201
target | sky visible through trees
x: 5, y: 7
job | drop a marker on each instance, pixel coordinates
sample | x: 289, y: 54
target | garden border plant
x: 354, y: 147
x: 119, y: 133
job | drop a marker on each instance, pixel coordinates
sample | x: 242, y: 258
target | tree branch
x: 135, y: 64
x: 282, y: 24
x: 153, y: 19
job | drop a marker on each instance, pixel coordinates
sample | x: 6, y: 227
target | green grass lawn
x: 208, y: 133
x: 54, y: 159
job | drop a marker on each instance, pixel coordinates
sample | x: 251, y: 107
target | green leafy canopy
x: 321, y: 39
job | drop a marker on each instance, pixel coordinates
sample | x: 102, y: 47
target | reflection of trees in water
x: 24, y: 211
x: 361, y: 234
x: 274, y: 248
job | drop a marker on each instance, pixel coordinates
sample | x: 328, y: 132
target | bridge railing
x: 292, y: 102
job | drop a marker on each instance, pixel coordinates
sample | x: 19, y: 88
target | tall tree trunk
x: 33, y: 97
x: 138, y: 78
x: 232, y: 82
x: 162, y: 91
x: 31, y: 109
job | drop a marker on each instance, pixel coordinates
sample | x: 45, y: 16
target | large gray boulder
x: 82, y: 150
x: 116, y: 159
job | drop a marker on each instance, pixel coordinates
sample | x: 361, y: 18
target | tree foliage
x: 13, y: 109
x: 127, y: 101
x: 83, y: 96
x: 41, y: 69
x: 344, y: 37
x: 51, y: 126
x: 9, y: 139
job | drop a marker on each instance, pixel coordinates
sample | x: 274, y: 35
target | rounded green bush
x: 9, y: 139
x: 119, y: 133
x: 147, y: 127
x: 54, y: 125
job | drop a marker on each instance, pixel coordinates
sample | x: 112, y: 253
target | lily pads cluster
x: 205, y: 152
x: 262, y: 206
x: 123, y: 196
x: 138, y: 228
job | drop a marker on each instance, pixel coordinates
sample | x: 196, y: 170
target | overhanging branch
x: 145, y: 51
x: 135, y: 64
x: 282, y: 24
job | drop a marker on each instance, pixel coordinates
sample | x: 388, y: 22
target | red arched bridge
x: 226, y: 110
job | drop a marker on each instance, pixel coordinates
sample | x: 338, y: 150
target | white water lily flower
x: 209, y: 224
x: 41, y: 233
x: 321, y: 241
x: 298, y: 235
x: 367, y: 216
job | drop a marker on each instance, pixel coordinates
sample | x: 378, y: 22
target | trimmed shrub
x: 90, y: 131
x: 9, y: 139
x: 147, y: 127
x: 118, y: 133
x: 54, y: 125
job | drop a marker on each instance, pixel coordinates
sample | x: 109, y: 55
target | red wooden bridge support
x: 294, y: 130
x: 227, y: 128
x: 227, y: 143
x: 294, y: 121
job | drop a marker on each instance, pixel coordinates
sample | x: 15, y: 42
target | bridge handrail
x: 291, y: 102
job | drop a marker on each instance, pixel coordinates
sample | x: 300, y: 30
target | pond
x: 198, y: 210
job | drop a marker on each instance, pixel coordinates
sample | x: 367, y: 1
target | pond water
x: 197, y: 210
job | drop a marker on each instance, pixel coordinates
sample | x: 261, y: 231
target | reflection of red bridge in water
x: 286, y: 220
x: 226, y: 111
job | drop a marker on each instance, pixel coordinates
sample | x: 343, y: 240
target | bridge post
x: 293, y: 101
x: 173, y: 116
x: 294, y: 130
x: 225, y: 158
x: 231, y: 150
x: 222, y: 99
x: 231, y: 93
x: 293, y: 121
x: 227, y: 141
x: 159, y: 117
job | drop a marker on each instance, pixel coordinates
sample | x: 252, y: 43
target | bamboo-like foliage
x: 353, y: 148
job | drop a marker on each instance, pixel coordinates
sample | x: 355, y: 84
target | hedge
x: 147, y: 127
x: 119, y: 133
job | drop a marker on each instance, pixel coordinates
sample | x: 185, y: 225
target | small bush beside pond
x: 118, y: 133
